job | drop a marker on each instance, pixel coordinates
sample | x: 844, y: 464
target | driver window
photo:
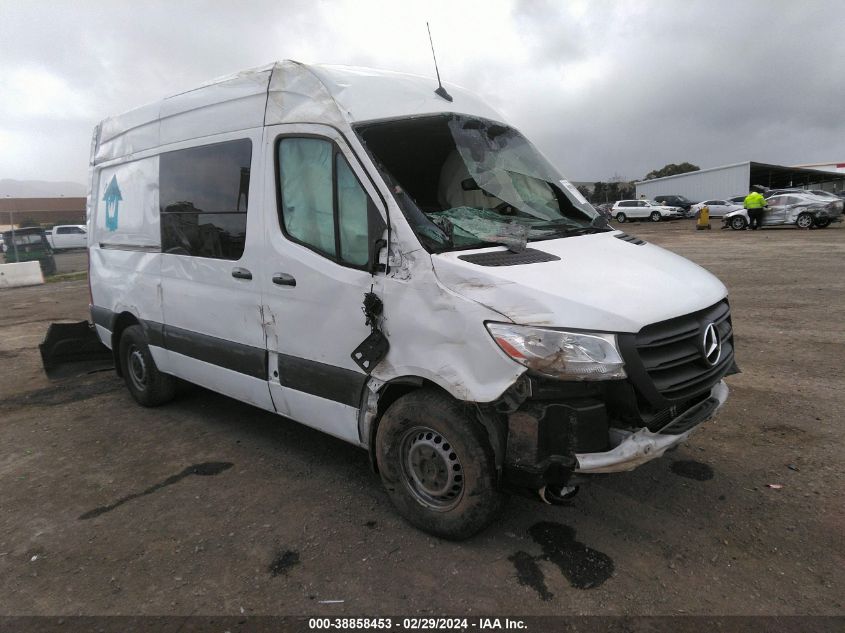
x: 352, y: 202
x: 323, y: 205
x: 305, y: 168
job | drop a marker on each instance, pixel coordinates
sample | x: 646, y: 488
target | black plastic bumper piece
x: 72, y: 343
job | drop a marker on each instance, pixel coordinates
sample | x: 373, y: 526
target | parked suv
x: 675, y: 201
x: 625, y: 210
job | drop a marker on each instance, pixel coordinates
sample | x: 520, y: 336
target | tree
x: 671, y: 170
x: 616, y: 189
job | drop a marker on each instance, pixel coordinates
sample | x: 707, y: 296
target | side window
x: 62, y: 230
x: 351, y: 215
x: 322, y: 204
x: 203, y: 195
x: 305, y: 175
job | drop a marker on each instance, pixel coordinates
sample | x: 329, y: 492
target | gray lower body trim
x: 319, y: 379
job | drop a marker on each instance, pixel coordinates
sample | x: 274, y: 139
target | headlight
x: 560, y: 354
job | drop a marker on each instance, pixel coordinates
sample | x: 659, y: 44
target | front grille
x: 672, y: 357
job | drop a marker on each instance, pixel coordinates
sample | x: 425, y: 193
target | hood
x: 600, y: 283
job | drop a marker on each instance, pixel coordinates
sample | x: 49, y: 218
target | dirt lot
x: 209, y: 506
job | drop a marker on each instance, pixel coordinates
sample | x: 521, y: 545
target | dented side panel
x: 439, y: 335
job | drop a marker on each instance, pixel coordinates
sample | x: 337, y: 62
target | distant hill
x: 40, y: 189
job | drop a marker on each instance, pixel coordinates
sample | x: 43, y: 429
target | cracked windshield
x: 466, y: 182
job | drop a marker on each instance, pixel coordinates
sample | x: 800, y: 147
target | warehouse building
x: 44, y: 211
x: 734, y: 180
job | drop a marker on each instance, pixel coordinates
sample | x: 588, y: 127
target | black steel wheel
x: 145, y: 382
x: 437, y: 464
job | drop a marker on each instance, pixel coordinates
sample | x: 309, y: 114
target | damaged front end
x: 559, y: 431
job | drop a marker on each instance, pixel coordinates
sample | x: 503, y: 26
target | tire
x: 621, y: 218
x: 145, y: 382
x: 804, y: 221
x: 738, y: 223
x: 822, y: 223
x: 437, y: 465
x: 655, y: 216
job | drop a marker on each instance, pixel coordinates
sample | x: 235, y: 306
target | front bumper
x: 632, y: 449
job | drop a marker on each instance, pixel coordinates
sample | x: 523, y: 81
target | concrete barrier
x: 22, y: 274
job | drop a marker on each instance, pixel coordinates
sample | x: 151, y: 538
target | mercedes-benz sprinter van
x: 403, y: 270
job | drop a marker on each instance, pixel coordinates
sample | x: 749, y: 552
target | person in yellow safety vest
x: 755, y: 203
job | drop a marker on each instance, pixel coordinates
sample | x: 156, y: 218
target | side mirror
x: 376, y: 227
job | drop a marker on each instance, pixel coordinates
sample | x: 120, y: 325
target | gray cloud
x: 603, y: 87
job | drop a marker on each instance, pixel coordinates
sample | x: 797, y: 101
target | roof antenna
x: 441, y: 91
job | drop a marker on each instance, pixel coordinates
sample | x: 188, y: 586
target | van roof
x: 282, y: 92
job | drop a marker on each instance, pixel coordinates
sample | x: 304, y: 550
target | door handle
x: 241, y: 273
x: 283, y: 279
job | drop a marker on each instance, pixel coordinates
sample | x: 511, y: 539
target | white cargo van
x: 402, y: 270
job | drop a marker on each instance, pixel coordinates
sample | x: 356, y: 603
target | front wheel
x: 738, y: 223
x: 804, y: 221
x: 655, y: 216
x: 146, y: 383
x: 620, y: 217
x: 822, y: 223
x: 437, y: 465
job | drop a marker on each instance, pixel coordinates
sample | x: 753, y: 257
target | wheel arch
x: 121, y: 322
x: 378, y: 402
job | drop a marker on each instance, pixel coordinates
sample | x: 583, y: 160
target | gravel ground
x: 209, y: 506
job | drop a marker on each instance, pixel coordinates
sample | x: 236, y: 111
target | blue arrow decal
x: 112, y: 199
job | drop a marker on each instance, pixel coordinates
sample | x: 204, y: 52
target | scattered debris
x: 774, y: 486
x: 793, y: 467
x: 331, y: 601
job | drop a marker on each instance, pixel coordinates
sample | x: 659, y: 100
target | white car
x: 803, y: 210
x: 625, y: 210
x: 717, y: 208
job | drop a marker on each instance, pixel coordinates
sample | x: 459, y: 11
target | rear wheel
x: 655, y: 216
x: 146, y: 383
x: 437, y: 465
x: 620, y: 217
x: 804, y: 221
x: 738, y: 223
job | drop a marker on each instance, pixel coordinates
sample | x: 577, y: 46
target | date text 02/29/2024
x: 414, y: 624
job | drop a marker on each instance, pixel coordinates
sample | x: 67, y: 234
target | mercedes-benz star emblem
x: 711, y: 345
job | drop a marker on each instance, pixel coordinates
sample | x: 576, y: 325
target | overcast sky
x: 604, y: 88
